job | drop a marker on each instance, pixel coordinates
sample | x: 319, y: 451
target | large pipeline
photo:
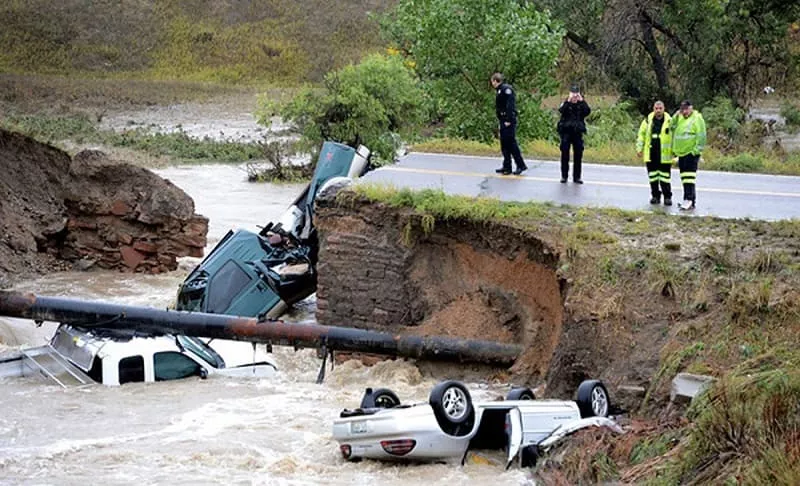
x: 91, y: 314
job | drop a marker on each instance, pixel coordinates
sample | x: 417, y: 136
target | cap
x: 685, y: 104
x: 574, y: 89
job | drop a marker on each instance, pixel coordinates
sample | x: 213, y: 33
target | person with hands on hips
x: 506, y: 109
x: 571, y: 128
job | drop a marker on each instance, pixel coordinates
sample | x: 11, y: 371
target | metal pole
x: 92, y: 314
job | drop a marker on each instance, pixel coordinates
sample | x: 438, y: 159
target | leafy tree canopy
x: 456, y: 45
x: 684, y: 48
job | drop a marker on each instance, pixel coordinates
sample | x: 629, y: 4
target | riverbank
x: 645, y: 296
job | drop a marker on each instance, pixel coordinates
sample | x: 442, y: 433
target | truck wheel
x: 593, y: 399
x: 380, y: 398
x: 520, y: 394
x: 452, y: 406
x: 385, y: 398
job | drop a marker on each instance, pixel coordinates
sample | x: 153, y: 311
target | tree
x: 673, y: 49
x: 371, y: 103
x: 456, y: 45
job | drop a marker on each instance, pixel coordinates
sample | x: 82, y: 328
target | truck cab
x: 78, y: 356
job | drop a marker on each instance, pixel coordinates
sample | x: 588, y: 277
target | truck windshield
x: 202, y: 350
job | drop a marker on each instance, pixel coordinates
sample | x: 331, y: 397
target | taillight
x: 346, y: 451
x: 399, y: 447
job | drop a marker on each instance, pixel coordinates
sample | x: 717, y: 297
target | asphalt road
x: 722, y: 194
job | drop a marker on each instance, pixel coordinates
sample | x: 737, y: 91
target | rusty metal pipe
x: 93, y: 314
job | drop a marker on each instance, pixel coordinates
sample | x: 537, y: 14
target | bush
x: 723, y: 121
x: 791, y: 114
x: 612, y: 124
x: 371, y: 103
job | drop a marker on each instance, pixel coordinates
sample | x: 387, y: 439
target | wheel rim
x: 385, y: 401
x: 599, y: 402
x: 526, y: 396
x: 454, y: 402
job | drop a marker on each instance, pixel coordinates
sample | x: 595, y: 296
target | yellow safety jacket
x: 645, y: 139
x: 688, y: 134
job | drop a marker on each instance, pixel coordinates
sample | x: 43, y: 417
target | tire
x: 380, y: 398
x: 520, y: 394
x: 452, y: 406
x: 593, y: 400
x: 385, y: 398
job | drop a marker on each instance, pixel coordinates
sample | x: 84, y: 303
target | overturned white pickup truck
x: 77, y: 357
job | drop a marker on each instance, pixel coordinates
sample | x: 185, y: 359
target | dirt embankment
x: 380, y: 269
x: 627, y: 299
x: 58, y: 213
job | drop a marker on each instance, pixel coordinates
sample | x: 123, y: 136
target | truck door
x: 514, y: 431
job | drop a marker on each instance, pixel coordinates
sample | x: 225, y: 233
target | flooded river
x: 273, y: 431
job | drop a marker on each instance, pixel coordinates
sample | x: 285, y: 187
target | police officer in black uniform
x: 571, y: 128
x: 506, y: 108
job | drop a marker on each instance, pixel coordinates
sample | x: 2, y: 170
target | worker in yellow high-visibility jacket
x: 688, y: 142
x: 654, y: 145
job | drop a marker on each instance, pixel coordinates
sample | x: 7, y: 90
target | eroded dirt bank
x: 381, y: 269
x: 58, y: 212
x: 629, y: 298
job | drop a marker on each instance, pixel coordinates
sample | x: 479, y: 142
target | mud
x: 58, y: 212
x: 460, y: 279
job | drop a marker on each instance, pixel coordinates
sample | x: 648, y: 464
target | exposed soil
x: 486, y: 282
x: 58, y: 212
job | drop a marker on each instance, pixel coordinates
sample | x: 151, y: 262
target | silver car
x: 450, y: 424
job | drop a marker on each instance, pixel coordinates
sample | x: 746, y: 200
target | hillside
x: 274, y: 41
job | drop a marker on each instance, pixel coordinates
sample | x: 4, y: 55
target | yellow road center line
x: 484, y: 175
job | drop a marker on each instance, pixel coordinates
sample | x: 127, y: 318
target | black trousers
x: 575, y: 140
x: 660, y: 179
x: 509, y: 147
x: 688, y: 167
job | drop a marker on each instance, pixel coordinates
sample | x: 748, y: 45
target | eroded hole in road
x: 502, y: 290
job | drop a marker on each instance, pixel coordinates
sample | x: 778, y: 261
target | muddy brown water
x: 273, y: 431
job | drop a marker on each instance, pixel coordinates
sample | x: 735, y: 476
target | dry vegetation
x: 268, y: 41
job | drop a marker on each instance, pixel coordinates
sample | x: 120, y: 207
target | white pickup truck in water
x: 77, y: 357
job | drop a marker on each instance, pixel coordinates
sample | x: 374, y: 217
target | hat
x: 685, y: 104
x: 574, y: 89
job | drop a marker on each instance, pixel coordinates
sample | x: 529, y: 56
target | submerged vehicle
x: 261, y: 275
x: 75, y: 356
x: 450, y: 424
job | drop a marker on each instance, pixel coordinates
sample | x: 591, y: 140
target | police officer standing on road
x: 688, y: 142
x: 506, y: 108
x: 654, y: 145
x: 571, y: 128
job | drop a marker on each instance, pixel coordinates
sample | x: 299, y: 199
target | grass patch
x: 746, y: 428
x: 608, y: 153
x: 613, y: 152
x: 438, y: 204
x: 178, y: 145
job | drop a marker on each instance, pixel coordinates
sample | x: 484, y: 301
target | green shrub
x: 612, y: 124
x: 791, y: 113
x: 723, y: 121
x: 371, y: 103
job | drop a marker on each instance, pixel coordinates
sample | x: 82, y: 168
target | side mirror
x: 203, y: 373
